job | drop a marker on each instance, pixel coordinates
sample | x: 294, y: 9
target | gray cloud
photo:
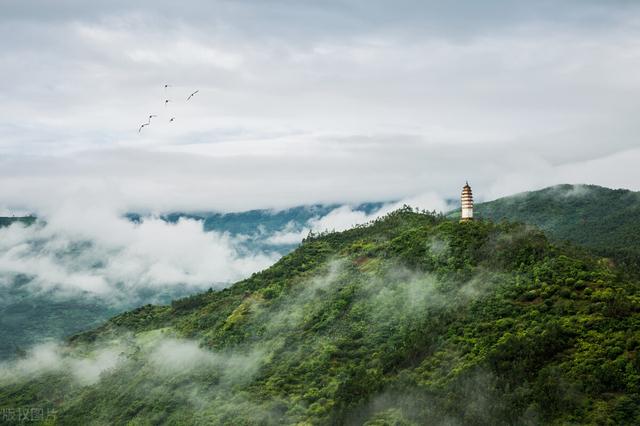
x: 299, y: 103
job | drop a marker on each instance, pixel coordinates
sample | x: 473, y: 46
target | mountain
x: 31, y: 315
x: 411, y: 319
x: 247, y: 222
x: 592, y: 216
x: 604, y: 220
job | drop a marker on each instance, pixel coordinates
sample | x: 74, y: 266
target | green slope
x: 589, y: 215
x: 413, y: 319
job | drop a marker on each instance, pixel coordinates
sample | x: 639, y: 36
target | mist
x: 346, y: 217
x: 101, y: 254
x: 85, y: 368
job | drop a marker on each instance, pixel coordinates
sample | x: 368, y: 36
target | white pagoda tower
x: 466, y: 201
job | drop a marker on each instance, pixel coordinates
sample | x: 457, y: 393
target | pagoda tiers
x: 467, y: 203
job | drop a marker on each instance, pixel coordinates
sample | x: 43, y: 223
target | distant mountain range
x: 592, y: 216
x: 268, y: 219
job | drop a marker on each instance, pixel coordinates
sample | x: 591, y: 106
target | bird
x: 171, y: 120
x: 166, y: 85
x: 150, y: 117
x: 191, y: 95
x: 141, y: 126
x: 166, y: 101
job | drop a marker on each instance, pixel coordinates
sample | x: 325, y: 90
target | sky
x: 305, y: 102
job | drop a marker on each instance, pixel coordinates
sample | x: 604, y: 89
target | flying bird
x: 191, y: 95
x: 171, y: 120
x: 166, y: 101
x: 141, y: 126
x: 150, y: 117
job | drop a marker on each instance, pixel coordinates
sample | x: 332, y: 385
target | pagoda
x: 466, y: 201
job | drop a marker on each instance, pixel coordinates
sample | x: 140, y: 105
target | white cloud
x: 339, y: 219
x: 300, y: 104
x: 345, y: 217
x: 171, y: 356
x: 96, y: 251
x: 85, y: 368
x: 292, y: 233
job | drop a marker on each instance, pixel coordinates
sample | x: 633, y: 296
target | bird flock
x: 166, y: 102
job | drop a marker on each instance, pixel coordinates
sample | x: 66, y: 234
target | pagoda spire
x: 466, y: 203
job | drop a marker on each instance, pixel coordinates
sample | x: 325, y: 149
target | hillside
x: 31, y: 314
x: 413, y: 319
x: 592, y: 216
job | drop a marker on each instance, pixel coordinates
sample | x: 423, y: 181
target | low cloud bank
x: 52, y: 357
x: 166, y: 357
x: 80, y: 249
x: 100, y: 253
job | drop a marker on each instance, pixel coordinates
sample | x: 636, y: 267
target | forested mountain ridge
x: 607, y: 221
x: 592, y: 216
x: 412, y: 319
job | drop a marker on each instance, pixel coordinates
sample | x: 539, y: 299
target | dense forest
x: 605, y: 220
x: 411, y: 319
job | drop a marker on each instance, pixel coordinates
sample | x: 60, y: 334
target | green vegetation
x: 605, y: 220
x: 412, y: 319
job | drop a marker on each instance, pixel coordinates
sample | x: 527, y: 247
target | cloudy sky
x: 303, y: 102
